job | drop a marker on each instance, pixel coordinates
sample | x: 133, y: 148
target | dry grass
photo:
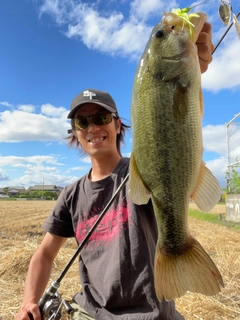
x: 21, y: 234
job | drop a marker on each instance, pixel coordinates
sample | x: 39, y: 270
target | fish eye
x: 172, y: 27
x: 159, y: 33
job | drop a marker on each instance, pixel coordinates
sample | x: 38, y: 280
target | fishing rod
x: 51, y: 302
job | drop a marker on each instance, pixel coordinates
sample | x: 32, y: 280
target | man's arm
x: 38, y: 275
x: 205, y: 46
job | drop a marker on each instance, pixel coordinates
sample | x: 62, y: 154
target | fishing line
x: 198, y: 4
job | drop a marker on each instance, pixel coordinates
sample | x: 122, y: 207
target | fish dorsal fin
x: 208, y: 191
x: 138, y: 193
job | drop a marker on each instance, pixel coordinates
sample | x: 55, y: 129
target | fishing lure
x: 236, y: 23
x: 183, y: 13
x: 225, y: 11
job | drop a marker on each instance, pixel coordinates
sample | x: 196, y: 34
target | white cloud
x: 108, y: 32
x: 20, y: 125
x: 29, y: 108
x: 214, y: 139
x: 33, y: 170
x: 143, y: 10
x: 3, y: 177
x: 224, y: 71
x: 111, y: 35
x: 117, y: 35
x: 218, y: 167
x: 6, y: 104
x: 233, y: 139
x: 15, y: 161
x: 51, y: 111
x: 86, y: 159
x: 79, y: 168
x: 127, y: 155
x: 37, y: 178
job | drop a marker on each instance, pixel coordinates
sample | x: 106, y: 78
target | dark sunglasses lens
x: 80, y: 123
x: 101, y: 119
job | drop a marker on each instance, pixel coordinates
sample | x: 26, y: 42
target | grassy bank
x: 214, y: 218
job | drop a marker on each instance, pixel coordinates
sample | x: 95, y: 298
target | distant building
x: 15, y: 191
x: 41, y: 187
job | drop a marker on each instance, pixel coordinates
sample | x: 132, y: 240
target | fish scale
x: 166, y: 161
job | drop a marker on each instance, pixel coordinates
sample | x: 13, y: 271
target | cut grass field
x: 21, y: 234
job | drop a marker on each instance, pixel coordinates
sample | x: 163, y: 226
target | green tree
x: 5, y: 190
x: 233, y: 181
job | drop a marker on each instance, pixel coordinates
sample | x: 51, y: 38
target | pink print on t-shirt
x: 108, y: 228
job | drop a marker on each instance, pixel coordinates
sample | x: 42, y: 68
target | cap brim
x: 105, y: 106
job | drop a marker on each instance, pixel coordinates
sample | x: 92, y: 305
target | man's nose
x: 92, y: 127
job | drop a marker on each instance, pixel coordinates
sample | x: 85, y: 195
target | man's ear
x: 118, y: 125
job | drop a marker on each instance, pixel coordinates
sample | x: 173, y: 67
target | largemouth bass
x: 166, y: 161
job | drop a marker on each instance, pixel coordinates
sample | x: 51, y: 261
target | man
x: 116, y: 265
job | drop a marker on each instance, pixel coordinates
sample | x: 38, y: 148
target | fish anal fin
x: 193, y: 271
x: 208, y: 191
x: 138, y: 192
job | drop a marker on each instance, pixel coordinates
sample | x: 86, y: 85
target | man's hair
x: 73, y: 141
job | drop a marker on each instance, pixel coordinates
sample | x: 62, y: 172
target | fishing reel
x: 54, y: 307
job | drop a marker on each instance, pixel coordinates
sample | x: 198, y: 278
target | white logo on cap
x: 89, y: 94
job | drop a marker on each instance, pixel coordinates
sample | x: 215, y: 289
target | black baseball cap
x: 99, y: 97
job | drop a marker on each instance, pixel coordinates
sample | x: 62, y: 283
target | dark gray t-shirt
x: 116, y: 265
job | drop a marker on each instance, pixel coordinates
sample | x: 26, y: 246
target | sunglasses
x: 99, y: 119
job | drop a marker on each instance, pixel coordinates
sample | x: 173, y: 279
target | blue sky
x: 50, y: 50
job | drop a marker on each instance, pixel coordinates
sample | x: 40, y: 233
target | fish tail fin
x: 192, y: 270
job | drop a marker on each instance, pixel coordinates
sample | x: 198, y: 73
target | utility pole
x: 42, y: 188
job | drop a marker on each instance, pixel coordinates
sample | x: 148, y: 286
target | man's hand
x: 29, y: 312
x: 205, y: 46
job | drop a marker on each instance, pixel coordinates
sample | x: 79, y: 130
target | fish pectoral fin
x: 138, y: 192
x: 191, y: 270
x: 208, y: 191
x: 174, y: 69
x: 180, y: 101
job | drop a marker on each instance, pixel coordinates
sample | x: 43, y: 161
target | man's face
x: 98, y: 141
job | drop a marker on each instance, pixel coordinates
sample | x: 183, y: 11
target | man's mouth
x: 96, y: 140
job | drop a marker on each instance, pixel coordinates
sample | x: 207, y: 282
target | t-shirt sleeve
x: 59, y: 222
